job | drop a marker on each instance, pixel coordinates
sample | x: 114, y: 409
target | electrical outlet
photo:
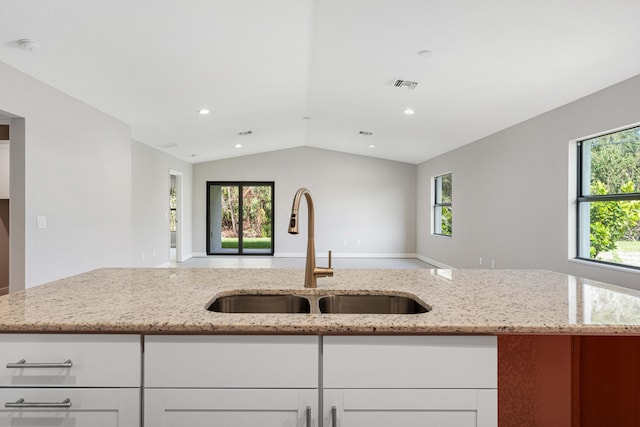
x: 493, y: 263
x: 480, y: 260
x: 345, y: 243
x: 42, y: 222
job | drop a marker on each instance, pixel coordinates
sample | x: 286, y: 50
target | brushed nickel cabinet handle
x: 23, y: 364
x: 308, y: 416
x: 20, y: 403
x: 334, y: 416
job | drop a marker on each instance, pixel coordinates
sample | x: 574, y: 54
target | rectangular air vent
x: 405, y: 83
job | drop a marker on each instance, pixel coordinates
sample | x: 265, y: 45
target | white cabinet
x: 410, y: 381
x: 231, y: 380
x: 231, y: 407
x: 77, y: 407
x: 70, y: 380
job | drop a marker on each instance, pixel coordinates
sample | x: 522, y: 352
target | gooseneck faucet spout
x: 311, y: 272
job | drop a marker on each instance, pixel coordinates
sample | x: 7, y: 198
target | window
x: 442, y: 210
x: 240, y: 218
x: 608, y: 199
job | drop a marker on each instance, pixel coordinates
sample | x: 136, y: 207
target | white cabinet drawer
x: 96, y: 360
x: 94, y: 407
x: 264, y: 361
x: 230, y: 407
x: 410, y: 362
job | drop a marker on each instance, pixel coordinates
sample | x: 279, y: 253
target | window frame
x: 437, y: 205
x: 582, y: 199
x: 241, y: 185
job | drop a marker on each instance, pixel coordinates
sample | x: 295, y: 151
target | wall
x: 356, y: 198
x: 76, y: 163
x: 150, y: 205
x: 513, y: 190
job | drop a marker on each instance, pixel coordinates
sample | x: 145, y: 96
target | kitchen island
x: 162, y: 301
x: 538, y: 327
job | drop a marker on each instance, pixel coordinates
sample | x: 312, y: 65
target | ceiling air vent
x: 405, y: 83
x: 169, y: 145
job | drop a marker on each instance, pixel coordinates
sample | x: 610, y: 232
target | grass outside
x: 628, y: 246
x: 626, y: 252
x: 247, y: 243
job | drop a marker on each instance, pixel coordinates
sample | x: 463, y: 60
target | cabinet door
x: 231, y: 407
x: 410, y: 408
x: 84, y: 407
x: 71, y: 360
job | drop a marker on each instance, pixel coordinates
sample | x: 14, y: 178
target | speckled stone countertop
x: 173, y: 301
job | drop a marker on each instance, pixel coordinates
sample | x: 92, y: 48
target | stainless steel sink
x: 370, y: 304
x: 260, y: 303
x: 323, y: 302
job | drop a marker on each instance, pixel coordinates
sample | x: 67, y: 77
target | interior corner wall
x: 513, y: 191
x: 150, y: 205
x: 363, y: 206
x: 77, y: 172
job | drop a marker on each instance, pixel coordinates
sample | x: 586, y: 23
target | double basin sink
x: 331, y: 303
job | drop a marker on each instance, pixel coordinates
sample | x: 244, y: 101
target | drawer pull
x: 23, y: 364
x: 334, y: 416
x: 20, y: 403
x: 308, y: 416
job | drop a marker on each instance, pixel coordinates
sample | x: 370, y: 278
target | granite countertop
x: 172, y: 301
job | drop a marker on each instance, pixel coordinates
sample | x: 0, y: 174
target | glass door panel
x: 256, y: 211
x: 239, y: 218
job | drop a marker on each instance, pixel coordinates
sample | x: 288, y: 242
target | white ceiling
x: 263, y: 65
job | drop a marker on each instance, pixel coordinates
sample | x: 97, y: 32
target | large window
x: 240, y: 218
x: 442, y: 209
x: 609, y: 198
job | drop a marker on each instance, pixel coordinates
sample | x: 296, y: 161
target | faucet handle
x: 329, y: 259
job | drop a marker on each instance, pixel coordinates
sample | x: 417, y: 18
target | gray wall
x: 513, y: 191
x: 77, y: 166
x: 77, y: 173
x: 355, y: 198
x: 150, y: 192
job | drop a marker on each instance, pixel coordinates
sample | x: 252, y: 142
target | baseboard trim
x: 345, y: 255
x: 432, y: 261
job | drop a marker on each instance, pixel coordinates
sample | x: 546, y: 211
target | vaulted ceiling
x: 319, y: 72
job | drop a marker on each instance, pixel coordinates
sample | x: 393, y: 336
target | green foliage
x: 446, y: 221
x: 615, y: 169
x: 611, y: 220
x: 172, y: 209
x: 257, y: 208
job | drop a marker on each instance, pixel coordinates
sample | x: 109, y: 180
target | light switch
x: 42, y: 222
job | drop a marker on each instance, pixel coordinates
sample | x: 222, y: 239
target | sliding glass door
x: 240, y: 218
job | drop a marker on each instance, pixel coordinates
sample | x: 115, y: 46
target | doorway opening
x: 175, y: 216
x: 240, y: 218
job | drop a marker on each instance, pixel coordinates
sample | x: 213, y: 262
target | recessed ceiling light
x: 365, y: 133
x: 29, y: 45
x: 245, y: 133
x: 409, y: 112
x: 238, y: 145
x: 371, y: 146
x: 203, y: 112
x: 425, y: 53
